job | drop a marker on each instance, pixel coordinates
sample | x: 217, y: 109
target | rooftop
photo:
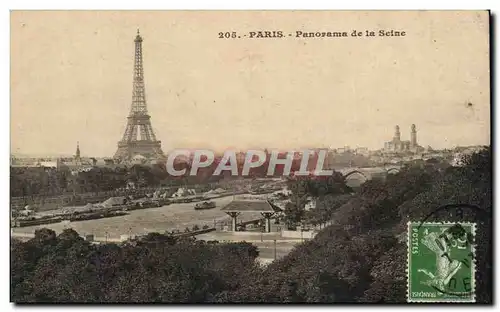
x: 248, y: 206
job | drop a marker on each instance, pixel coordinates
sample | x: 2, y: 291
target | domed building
x: 139, y: 159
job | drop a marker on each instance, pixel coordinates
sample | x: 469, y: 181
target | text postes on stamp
x: 441, y: 262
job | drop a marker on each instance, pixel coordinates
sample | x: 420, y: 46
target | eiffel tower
x: 139, y: 138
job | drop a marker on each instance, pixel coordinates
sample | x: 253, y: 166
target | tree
x: 294, y: 213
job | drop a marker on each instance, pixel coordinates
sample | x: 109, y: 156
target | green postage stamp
x: 441, y: 262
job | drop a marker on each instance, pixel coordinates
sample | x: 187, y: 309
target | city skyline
x: 220, y: 152
x: 82, y: 91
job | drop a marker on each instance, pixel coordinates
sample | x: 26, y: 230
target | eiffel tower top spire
x: 138, y: 37
x: 139, y: 92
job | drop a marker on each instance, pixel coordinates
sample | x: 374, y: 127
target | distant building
x: 139, y: 160
x: 48, y: 164
x: 108, y: 162
x: 396, y: 145
x: 33, y: 162
x: 77, y: 163
x: 342, y: 150
x: 362, y: 151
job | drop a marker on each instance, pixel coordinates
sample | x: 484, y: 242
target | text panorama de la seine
x: 277, y: 34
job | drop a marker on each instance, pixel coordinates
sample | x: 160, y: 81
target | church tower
x: 413, y: 139
x: 77, y: 160
x: 77, y: 154
x: 397, y: 134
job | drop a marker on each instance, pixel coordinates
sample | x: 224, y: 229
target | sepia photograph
x: 251, y: 157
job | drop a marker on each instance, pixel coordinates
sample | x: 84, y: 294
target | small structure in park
x: 236, y: 207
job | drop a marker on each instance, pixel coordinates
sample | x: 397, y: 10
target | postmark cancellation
x: 441, y: 262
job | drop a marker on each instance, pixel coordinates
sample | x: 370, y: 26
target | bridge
x: 364, y: 174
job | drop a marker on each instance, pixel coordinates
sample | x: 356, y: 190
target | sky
x: 71, y: 79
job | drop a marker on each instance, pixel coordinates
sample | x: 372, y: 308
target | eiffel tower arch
x: 139, y: 137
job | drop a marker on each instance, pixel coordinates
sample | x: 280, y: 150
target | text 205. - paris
x: 251, y: 34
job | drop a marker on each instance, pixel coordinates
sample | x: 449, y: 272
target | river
x: 138, y: 222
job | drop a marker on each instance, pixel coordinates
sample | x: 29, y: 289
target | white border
x: 494, y: 5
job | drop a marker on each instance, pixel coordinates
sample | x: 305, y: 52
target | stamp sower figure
x: 446, y: 268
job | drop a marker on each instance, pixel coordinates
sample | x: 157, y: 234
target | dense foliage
x: 330, y: 191
x: 361, y: 257
x: 65, y: 268
x: 25, y: 182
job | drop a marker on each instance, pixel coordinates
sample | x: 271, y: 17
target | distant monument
x: 397, y: 145
x: 139, y: 139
